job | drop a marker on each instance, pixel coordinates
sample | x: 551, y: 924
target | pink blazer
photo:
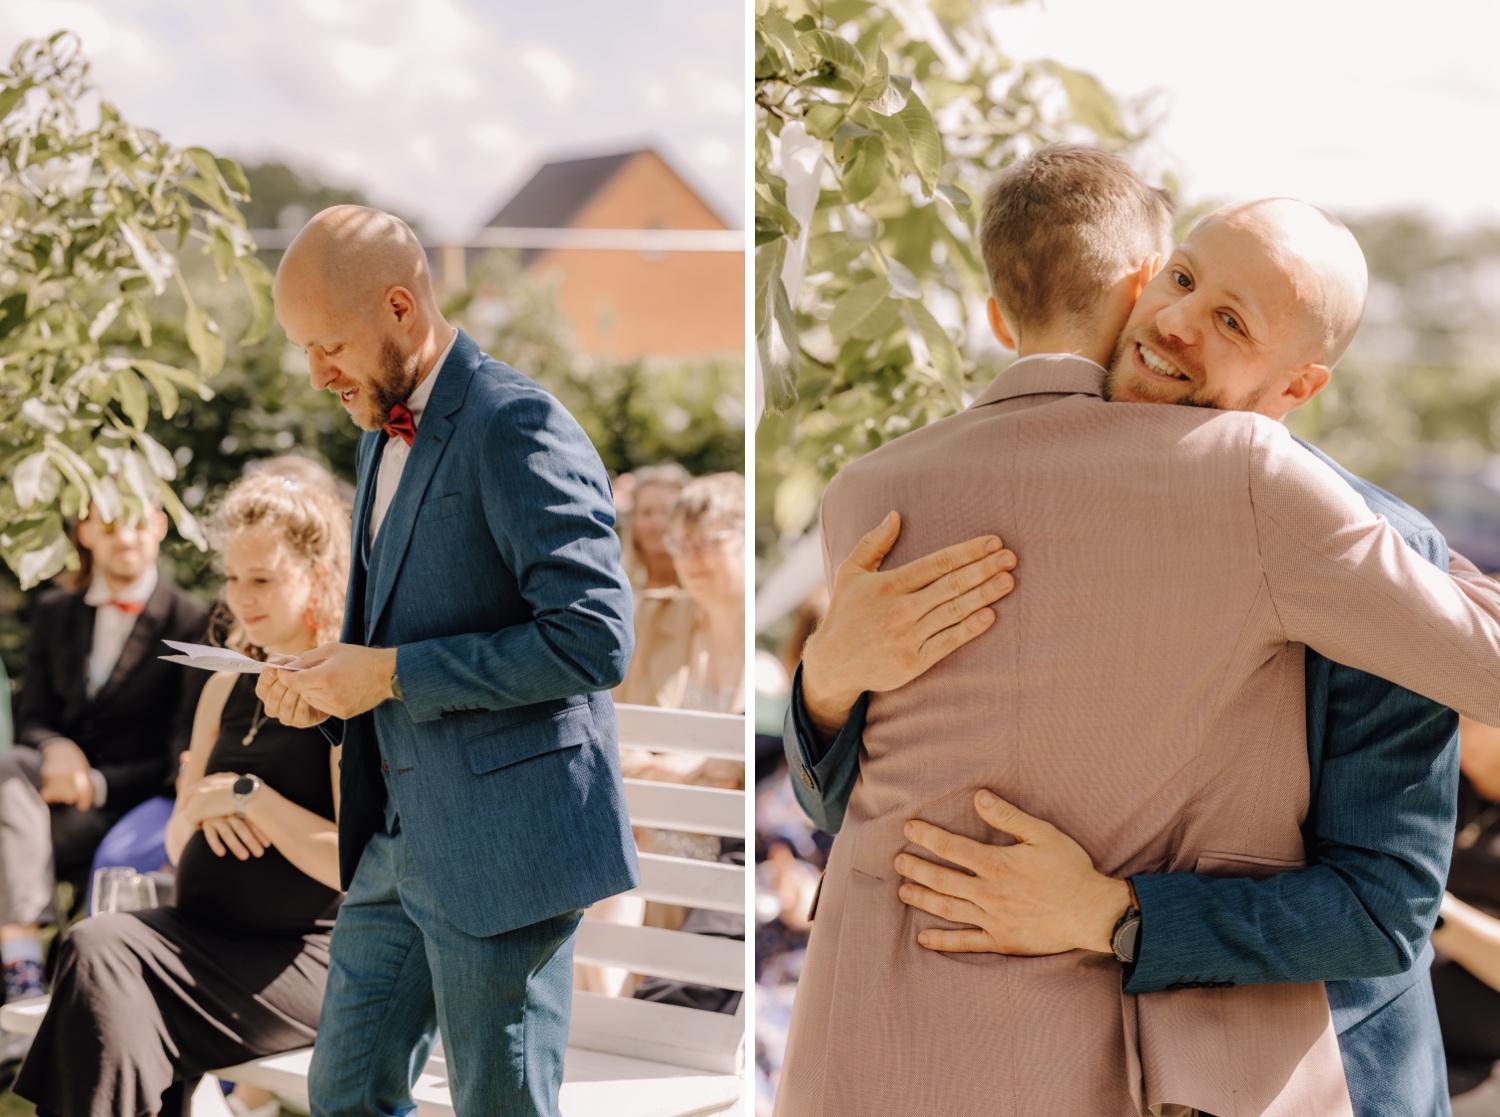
x: 1143, y: 690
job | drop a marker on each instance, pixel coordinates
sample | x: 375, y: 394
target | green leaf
x: 832, y: 251
x: 131, y: 393
x: 45, y: 557
x: 859, y: 306
x: 209, y: 187
x: 155, y: 370
x: 773, y: 211
x: 839, y: 53
x: 11, y: 96
x: 36, y: 480
x: 926, y: 145
x: 258, y: 283
x: 892, y: 99
x: 230, y: 172
x: 182, y: 517
x: 166, y: 391
x: 222, y: 250
x: 1093, y: 107
x: 863, y: 174
x: 941, y: 350
x: 775, y: 329
x: 204, y: 340
x: 12, y: 314
x: 775, y: 24
x: 822, y: 118
x: 955, y: 195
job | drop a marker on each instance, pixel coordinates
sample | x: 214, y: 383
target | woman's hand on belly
x: 235, y: 835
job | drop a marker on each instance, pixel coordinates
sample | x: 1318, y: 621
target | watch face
x: 1126, y: 939
x: 243, y: 786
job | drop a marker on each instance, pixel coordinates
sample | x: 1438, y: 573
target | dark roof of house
x: 556, y: 193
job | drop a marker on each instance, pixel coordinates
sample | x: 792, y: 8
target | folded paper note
x: 210, y: 658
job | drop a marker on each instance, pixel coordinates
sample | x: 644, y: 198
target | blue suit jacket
x: 1379, y: 834
x: 497, y: 576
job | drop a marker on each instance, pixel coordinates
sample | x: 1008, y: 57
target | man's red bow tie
x: 401, y: 424
x: 129, y: 608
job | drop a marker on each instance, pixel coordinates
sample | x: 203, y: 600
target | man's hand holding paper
x: 344, y: 680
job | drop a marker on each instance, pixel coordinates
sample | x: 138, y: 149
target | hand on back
x: 885, y: 627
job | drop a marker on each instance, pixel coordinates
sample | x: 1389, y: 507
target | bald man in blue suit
x: 486, y: 619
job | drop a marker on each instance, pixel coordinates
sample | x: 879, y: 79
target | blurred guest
x: 146, y: 1002
x: 689, y: 654
x: 652, y: 492
x: 99, y: 723
x: 690, y: 644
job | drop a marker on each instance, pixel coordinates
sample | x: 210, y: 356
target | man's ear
x: 1136, y: 282
x: 401, y: 305
x: 998, y: 327
x: 159, y: 524
x: 1305, y: 383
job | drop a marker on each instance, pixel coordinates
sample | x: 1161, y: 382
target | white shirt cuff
x: 101, y: 789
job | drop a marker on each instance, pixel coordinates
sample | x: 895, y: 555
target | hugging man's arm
x: 882, y: 629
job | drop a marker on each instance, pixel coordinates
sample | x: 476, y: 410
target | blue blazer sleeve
x: 1379, y: 834
x: 548, y: 507
x: 822, y: 775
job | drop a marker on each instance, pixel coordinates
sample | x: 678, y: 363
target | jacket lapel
x: 427, y: 449
x: 80, y: 646
x: 139, y: 643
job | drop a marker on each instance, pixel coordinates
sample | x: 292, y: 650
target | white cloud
x: 712, y: 93
x: 556, y: 75
x: 102, y: 37
x: 424, y: 150
x: 655, y: 93
x: 434, y: 108
x: 363, y: 67
x: 495, y: 136
x: 714, y: 154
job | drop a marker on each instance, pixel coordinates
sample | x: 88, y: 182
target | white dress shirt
x: 393, y: 460
x: 112, y: 628
x: 111, y: 625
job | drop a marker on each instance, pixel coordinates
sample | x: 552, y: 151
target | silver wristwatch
x: 243, y: 791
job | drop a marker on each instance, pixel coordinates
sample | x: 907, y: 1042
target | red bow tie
x: 401, y: 424
x: 130, y: 608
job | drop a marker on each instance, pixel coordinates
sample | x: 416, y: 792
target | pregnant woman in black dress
x: 144, y: 1003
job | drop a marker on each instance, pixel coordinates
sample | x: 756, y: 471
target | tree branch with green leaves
x: 877, y: 127
x: 93, y: 214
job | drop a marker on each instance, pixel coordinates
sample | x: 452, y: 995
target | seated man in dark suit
x: 100, y: 722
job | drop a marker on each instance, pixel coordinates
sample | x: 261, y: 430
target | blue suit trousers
x: 400, y: 972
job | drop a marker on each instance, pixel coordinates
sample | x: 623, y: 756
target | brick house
x: 630, y: 303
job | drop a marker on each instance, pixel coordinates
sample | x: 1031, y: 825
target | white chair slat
x: 678, y: 806
x: 680, y: 956
x: 690, y: 731
x: 684, y: 1037
x: 694, y: 884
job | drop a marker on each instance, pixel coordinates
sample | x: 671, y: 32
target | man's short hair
x: 1062, y: 225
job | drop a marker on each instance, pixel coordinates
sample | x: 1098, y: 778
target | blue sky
x: 439, y: 108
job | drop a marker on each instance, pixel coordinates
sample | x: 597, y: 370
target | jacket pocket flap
x: 497, y: 747
x: 1243, y: 865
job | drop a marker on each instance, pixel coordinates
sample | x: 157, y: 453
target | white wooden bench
x: 625, y: 1058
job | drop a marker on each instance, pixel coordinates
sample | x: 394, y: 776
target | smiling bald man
x: 487, y: 618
